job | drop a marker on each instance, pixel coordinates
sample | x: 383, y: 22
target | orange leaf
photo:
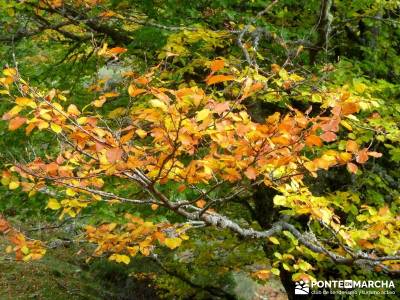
x: 221, y: 107
x: 281, y: 140
x: 362, y: 156
x: 352, y: 167
x: 256, y: 87
x: 117, y: 50
x: 181, y: 188
x: 142, y: 80
x: 125, y: 138
x: 251, y: 173
x: 4, y: 226
x: 287, y: 84
x: 323, y: 163
x: 262, y: 274
x: 108, y: 14
x: 111, y: 95
x: 365, y: 244
x: 328, y: 136
x: 275, y: 68
x: 219, y: 78
x: 313, y: 140
x: 56, y: 3
x: 52, y: 168
x: 217, y: 65
x: 133, y: 91
x: 160, y: 236
x: 17, y: 239
x: 332, y: 125
x: 16, y: 123
x: 113, y: 155
x: 375, y: 154
x: 349, y: 108
x: 201, y: 203
x: 351, y: 146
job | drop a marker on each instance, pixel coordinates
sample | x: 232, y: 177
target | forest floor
x: 62, y: 274
x: 66, y: 273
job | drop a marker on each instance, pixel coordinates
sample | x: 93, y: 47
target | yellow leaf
x: 61, y: 97
x: 283, y: 74
x: 141, y: 133
x: 316, y: 98
x: 99, y: 103
x: 27, y: 258
x: 15, y: 110
x: 56, y: 128
x: 10, y: 72
x: 133, y: 250
x: 280, y: 200
x: 111, y: 95
x: 43, y: 125
x: 103, y: 50
x: 154, y: 206
x: 159, y: 104
x: 274, y: 240
x: 202, y: 115
x: 45, y: 116
x: 25, y: 250
x: 13, y: 185
x: 73, y: 110
x: 275, y: 271
x: 172, y: 243
x: 121, y: 258
x: 345, y: 156
x: 184, y: 237
x: 53, y: 204
x: 346, y: 125
x: 286, y: 266
x: 116, y: 113
x: 70, y: 192
x: 296, y: 77
x: 360, y: 87
x: 81, y: 120
x: 22, y: 101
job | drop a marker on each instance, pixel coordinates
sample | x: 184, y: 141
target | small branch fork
x: 246, y: 29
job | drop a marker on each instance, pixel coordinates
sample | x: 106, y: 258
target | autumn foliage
x: 187, y: 137
x: 209, y: 139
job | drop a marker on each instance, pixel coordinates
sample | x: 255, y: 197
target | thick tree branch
x: 323, y: 29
